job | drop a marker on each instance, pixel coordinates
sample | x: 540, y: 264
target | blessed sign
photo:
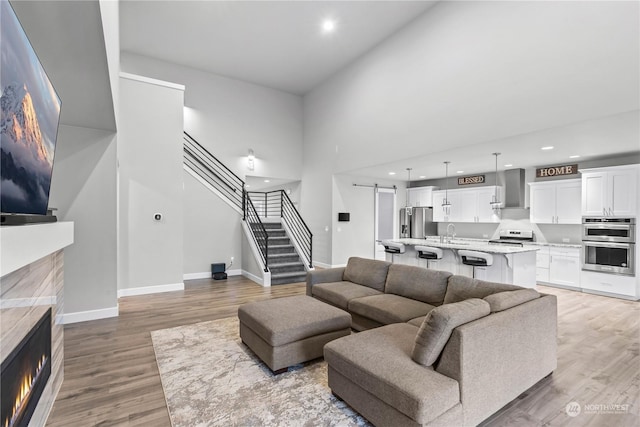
x: 556, y: 171
x: 475, y: 179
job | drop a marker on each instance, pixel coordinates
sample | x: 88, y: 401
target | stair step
x: 287, y: 267
x: 281, y: 249
x: 284, y: 278
x: 283, y: 258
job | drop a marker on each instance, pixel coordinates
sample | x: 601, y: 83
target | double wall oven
x: 608, y: 245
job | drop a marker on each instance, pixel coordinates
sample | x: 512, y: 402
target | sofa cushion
x: 438, y: 325
x: 417, y: 283
x: 389, y: 308
x: 417, y: 321
x: 367, y: 272
x: 340, y: 293
x: 504, y: 300
x: 379, y: 361
x: 461, y: 288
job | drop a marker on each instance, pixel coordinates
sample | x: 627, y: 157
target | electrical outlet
x: 485, y: 236
x: 231, y: 259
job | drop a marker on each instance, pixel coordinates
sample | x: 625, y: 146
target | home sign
x: 556, y: 171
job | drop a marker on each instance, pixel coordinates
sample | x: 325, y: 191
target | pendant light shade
x: 495, y: 202
x: 445, y: 203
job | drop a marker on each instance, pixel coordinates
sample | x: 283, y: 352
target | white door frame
x: 378, y: 249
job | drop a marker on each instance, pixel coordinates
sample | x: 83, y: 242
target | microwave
x: 599, y: 229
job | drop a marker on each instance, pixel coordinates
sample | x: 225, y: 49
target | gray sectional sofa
x: 435, y: 348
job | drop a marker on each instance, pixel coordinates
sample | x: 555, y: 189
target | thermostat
x: 157, y: 216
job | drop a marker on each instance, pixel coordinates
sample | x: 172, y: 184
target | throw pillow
x: 437, y: 327
x: 504, y: 300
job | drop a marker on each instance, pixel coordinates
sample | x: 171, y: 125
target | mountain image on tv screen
x: 28, y: 122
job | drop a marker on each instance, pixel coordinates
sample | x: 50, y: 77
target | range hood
x: 514, y: 188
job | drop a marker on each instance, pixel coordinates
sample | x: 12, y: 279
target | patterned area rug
x: 211, y: 379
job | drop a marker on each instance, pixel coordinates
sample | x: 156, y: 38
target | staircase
x: 284, y: 262
x: 278, y: 236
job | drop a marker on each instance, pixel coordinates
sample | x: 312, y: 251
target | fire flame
x: 25, y: 390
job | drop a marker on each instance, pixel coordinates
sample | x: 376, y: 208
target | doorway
x: 385, y: 219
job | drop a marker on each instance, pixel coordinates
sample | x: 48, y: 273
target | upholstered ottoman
x: 291, y: 330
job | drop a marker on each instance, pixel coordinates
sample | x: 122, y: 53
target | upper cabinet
x: 421, y: 196
x: 467, y: 205
x: 555, y: 202
x: 610, y: 191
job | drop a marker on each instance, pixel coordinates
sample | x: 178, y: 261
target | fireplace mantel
x: 31, y: 282
x: 23, y: 244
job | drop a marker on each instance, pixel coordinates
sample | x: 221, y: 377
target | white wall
x: 229, y: 117
x: 438, y: 84
x: 83, y: 188
x: 150, y: 181
x: 356, y: 237
x: 110, y: 16
x: 212, y: 232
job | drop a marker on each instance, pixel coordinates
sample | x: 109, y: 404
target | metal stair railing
x: 278, y: 204
x: 253, y: 205
x: 258, y: 231
x: 213, y: 171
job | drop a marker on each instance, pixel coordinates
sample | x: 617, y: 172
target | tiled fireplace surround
x: 26, y: 293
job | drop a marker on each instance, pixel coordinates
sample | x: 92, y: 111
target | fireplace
x: 25, y: 373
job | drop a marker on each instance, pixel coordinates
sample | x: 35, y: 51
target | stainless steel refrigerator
x: 417, y: 223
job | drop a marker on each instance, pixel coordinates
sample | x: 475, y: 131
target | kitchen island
x: 511, y: 264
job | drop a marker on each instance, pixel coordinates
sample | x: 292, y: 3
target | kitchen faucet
x: 451, y: 233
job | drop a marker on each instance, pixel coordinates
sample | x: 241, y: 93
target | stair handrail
x: 251, y: 218
x: 303, y: 236
x: 215, y: 158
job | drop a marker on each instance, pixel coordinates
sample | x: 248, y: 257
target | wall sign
x: 475, y: 179
x: 556, y: 171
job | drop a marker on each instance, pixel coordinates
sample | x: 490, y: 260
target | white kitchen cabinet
x: 610, y: 191
x: 564, y: 266
x: 421, y: 196
x: 467, y: 205
x: 542, y: 265
x: 593, y: 281
x: 555, y: 202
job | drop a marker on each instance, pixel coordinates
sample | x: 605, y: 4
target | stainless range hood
x: 514, y: 188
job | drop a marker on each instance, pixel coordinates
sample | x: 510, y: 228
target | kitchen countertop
x: 470, y: 244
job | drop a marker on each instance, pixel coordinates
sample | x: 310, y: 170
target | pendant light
x: 407, y: 205
x: 495, y: 203
x: 445, y: 203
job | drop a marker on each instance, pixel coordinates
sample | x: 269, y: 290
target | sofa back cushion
x: 367, y: 272
x: 504, y: 300
x: 461, y: 288
x: 417, y: 283
x: 437, y: 327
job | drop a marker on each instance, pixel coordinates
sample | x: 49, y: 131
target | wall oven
x: 608, y: 245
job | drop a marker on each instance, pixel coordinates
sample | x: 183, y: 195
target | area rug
x: 210, y: 378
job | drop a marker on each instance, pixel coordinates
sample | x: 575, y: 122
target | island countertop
x: 472, y: 245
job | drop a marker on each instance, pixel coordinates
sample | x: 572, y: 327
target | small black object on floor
x: 218, y: 271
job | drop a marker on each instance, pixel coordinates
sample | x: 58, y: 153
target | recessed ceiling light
x: 422, y: 176
x: 328, y: 26
x: 459, y: 171
x: 575, y: 156
x: 548, y: 147
x: 508, y: 166
x: 266, y: 180
x: 392, y: 173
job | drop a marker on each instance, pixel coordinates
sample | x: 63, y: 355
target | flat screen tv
x: 28, y: 125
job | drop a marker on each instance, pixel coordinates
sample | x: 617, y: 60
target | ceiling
x: 274, y: 44
x: 542, y: 87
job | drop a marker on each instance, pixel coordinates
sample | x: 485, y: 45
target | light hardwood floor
x: 111, y: 376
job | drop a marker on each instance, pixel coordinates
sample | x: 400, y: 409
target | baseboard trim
x: 85, y: 316
x: 254, y: 278
x: 207, y: 274
x: 323, y: 265
x: 144, y: 290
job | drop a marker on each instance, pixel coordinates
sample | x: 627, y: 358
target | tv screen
x: 29, y: 122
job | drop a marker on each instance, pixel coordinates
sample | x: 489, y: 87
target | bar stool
x: 475, y: 259
x: 429, y: 253
x: 393, y: 248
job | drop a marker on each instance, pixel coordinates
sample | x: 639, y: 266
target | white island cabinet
x: 511, y: 264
